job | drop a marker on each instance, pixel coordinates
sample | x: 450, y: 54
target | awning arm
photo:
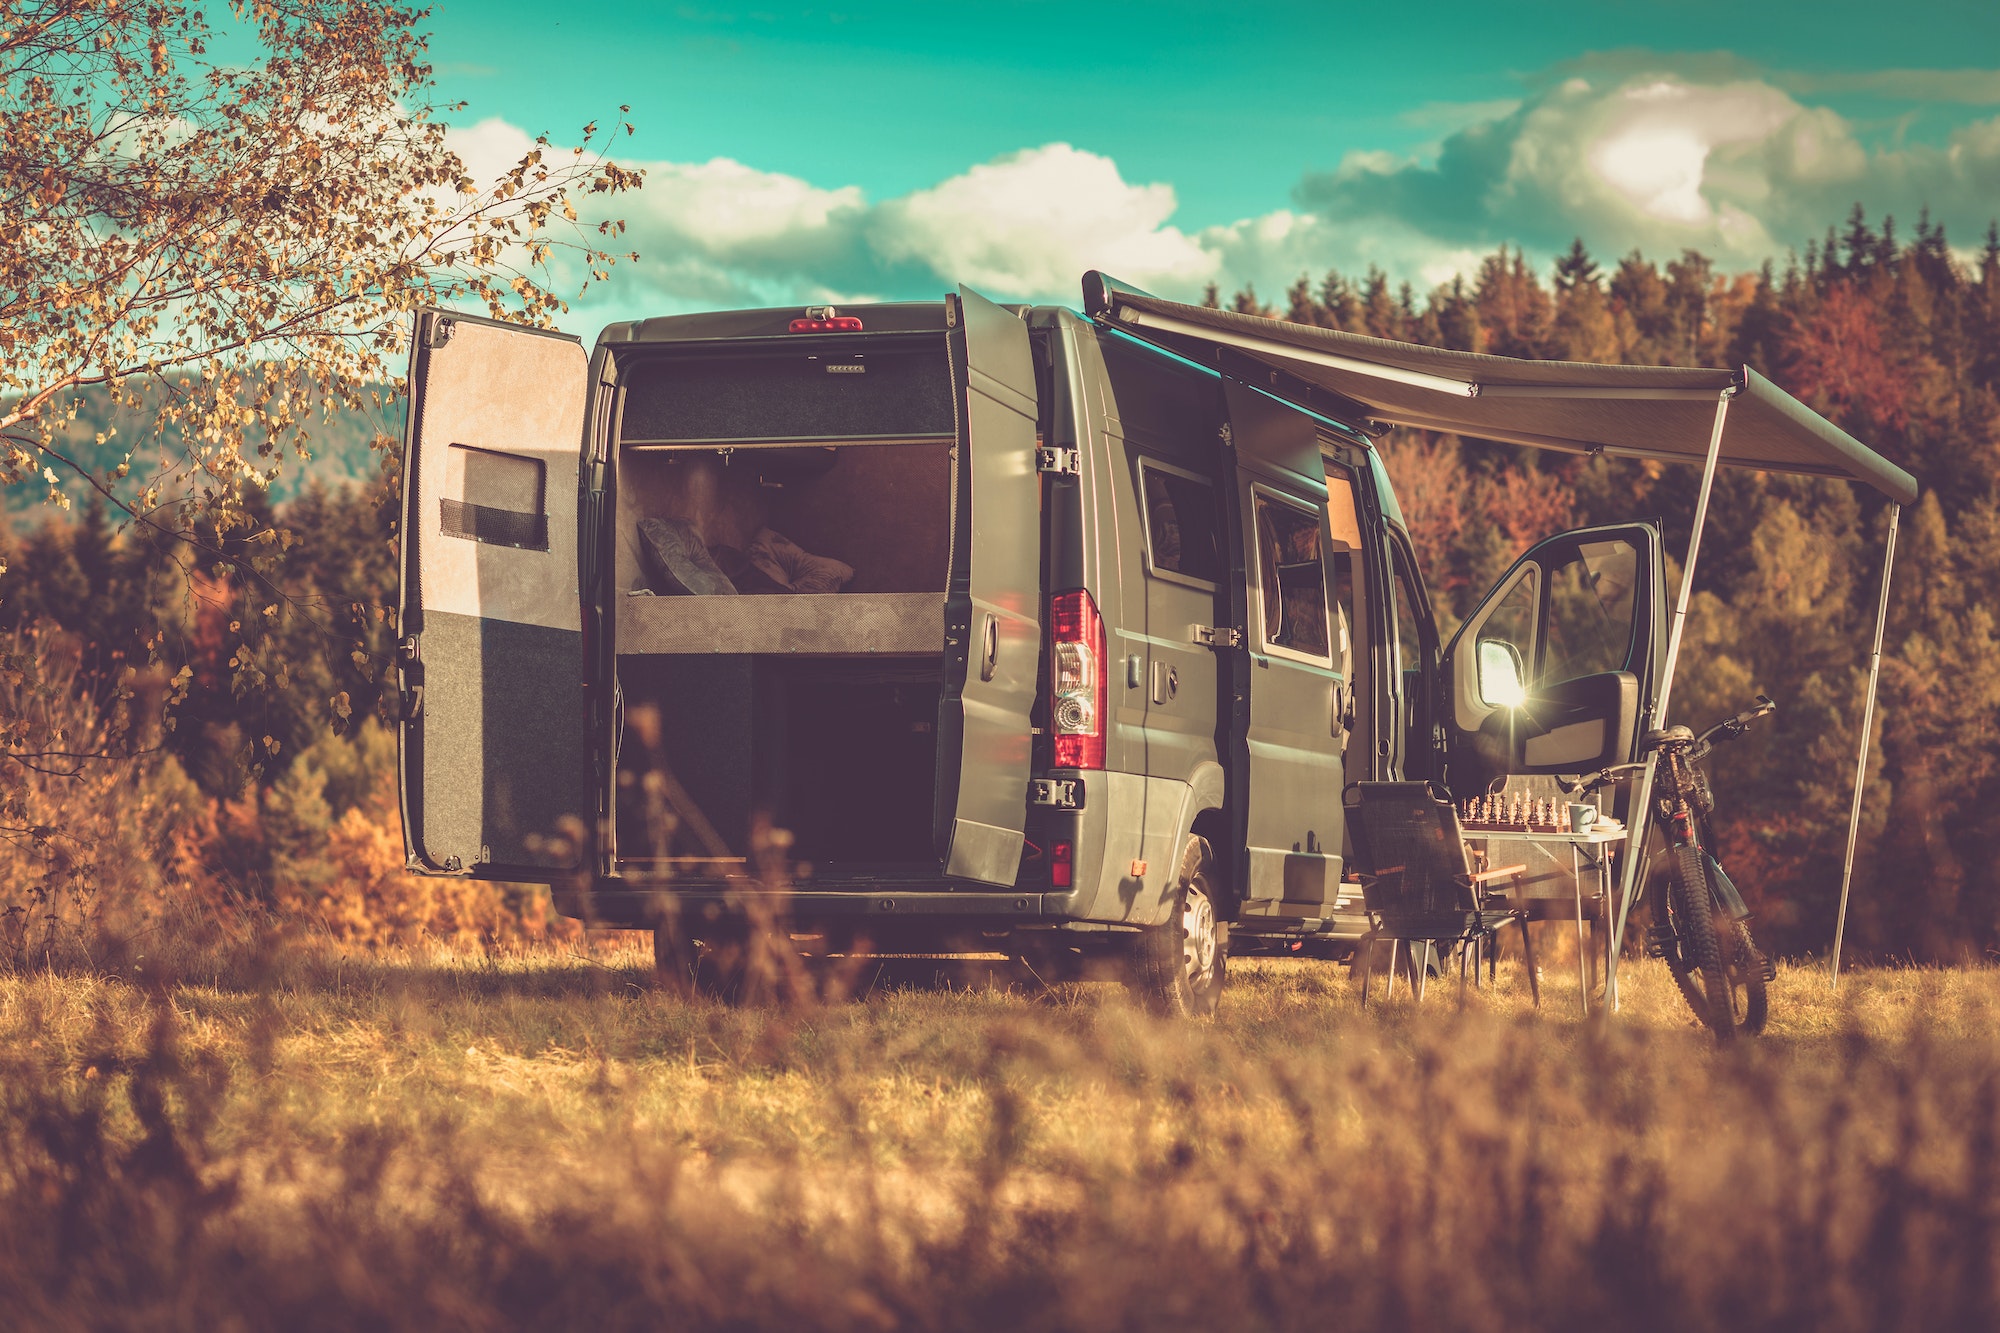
x: 1638, y: 825
x: 1867, y: 726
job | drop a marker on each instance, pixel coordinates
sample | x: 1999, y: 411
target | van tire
x: 1179, y: 968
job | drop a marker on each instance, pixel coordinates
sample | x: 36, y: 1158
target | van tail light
x: 1076, y: 680
x: 1062, y: 859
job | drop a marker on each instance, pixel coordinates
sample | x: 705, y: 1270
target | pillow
x: 739, y: 570
x: 678, y: 560
x: 784, y: 560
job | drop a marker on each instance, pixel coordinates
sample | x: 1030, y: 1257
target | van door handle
x: 989, y: 653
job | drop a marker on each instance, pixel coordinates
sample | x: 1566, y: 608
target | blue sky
x: 798, y: 153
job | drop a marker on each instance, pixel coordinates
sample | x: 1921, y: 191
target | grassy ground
x: 547, y: 1140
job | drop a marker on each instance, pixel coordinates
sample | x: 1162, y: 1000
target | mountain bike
x: 1701, y: 927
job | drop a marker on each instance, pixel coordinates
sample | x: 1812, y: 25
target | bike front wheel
x: 1714, y: 961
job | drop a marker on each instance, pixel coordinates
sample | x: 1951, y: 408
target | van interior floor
x: 841, y: 752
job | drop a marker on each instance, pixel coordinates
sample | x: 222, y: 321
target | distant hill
x: 341, y: 448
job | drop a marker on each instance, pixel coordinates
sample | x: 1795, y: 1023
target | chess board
x: 1513, y: 814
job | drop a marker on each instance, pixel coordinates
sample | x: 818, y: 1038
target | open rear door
x: 1281, y: 734
x: 495, y: 736
x: 993, y: 624
x: 1554, y: 670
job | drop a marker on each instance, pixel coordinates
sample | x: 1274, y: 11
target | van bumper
x: 616, y: 904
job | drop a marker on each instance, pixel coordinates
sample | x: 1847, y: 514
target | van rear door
x: 993, y: 624
x: 494, y: 739
x: 1555, y: 670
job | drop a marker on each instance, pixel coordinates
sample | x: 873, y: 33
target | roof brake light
x: 825, y: 319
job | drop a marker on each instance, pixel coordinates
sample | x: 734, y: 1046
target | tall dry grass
x: 401, y: 1139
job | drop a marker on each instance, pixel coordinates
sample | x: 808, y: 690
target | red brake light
x: 828, y: 324
x: 1076, y: 680
x: 1061, y: 862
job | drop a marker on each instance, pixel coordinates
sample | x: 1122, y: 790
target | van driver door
x: 1282, y: 680
x: 493, y: 745
x: 1556, y: 669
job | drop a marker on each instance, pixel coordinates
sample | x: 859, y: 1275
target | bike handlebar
x: 1703, y: 743
x: 1734, y: 727
x: 1603, y: 777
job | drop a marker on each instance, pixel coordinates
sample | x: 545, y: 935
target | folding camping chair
x: 1418, y: 882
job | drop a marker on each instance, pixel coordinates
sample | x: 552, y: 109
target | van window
x: 1181, y: 524
x: 1291, y: 578
x: 1344, y: 521
x: 1511, y: 622
x: 1590, y: 611
x: 1409, y: 638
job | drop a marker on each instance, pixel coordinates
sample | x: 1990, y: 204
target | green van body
x: 878, y: 761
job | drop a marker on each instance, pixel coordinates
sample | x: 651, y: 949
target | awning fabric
x: 1664, y: 412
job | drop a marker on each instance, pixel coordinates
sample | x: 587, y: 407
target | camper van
x: 953, y: 626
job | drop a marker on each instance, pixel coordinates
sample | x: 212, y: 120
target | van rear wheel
x: 1179, y: 968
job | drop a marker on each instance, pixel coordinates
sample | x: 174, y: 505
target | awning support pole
x: 1867, y: 727
x: 1640, y: 815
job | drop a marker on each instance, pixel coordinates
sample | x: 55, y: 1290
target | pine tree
x: 1245, y: 302
x: 1379, y: 319
x: 1341, y: 302
x: 1457, y: 317
x: 1575, y: 268
x: 1300, y: 308
x: 1859, y: 240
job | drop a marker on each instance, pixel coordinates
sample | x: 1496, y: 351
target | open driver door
x: 494, y: 738
x: 1556, y: 669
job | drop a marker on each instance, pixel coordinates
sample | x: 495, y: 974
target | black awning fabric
x: 1664, y: 412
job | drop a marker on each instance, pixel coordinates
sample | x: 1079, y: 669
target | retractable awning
x: 1658, y: 412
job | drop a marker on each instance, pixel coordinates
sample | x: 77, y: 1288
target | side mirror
x: 1501, y: 673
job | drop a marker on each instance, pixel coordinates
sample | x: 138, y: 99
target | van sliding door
x: 993, y: 628
x: 494, y: 742
x: 1282, y: 738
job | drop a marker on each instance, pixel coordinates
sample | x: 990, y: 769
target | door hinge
x: 1060, y: 461
x: 1063, y: 795
x: 1211, y: 636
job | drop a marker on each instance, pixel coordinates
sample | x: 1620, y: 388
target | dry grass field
x: 328, y: 1140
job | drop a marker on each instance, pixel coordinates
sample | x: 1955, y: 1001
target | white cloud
x: 1632, y: 156
x: 1030, y: 223
x: 1024, y: 226
x: 1626, y: 150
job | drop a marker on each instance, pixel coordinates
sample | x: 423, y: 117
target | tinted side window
x: 1511, y: 622
x: 1409, y: 637
x: 1591, y: 611
x: 1345, y: 521
x: 1292, y: 578
x: 1181, y: 524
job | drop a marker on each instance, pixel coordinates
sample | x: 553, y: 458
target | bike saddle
x: 1674, y: 735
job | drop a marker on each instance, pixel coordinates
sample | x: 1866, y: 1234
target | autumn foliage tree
x: 221, y: 227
